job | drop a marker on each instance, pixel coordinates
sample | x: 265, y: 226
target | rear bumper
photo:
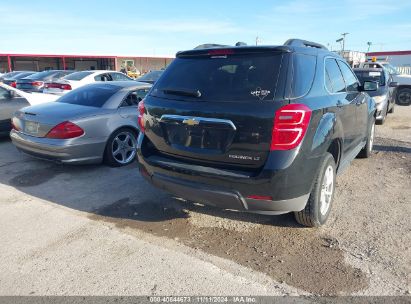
x: 30, y: 89
x: 286, y: 179
x: 61, y: 151
x: 224, y: 198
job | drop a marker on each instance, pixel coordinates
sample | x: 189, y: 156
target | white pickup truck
x: 403, y: 91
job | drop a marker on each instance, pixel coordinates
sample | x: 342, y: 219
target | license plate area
x: 31, y: 127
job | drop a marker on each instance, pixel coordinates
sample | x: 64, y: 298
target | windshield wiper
x: 183, y: 92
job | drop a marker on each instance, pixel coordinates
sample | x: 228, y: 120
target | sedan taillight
x: 65, y: 130
x: 141, y: 110
x: 13, y: 84
x: 37, y: 83
x: 290, y: 125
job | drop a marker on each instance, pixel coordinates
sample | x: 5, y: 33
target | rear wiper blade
x: 183, y: 92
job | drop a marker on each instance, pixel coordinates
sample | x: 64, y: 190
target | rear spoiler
x: 230, y: 50
x: 304, y: 43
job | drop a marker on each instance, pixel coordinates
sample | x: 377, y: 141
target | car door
x: 345, y: 109
x: 9, y: 104
x: 358, y: 100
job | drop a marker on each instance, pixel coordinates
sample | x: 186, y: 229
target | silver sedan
x: 94, y: 123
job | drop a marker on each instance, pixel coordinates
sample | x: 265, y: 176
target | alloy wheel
x: 327, y: 190
x: 124, y: 147
x: 372, y: 134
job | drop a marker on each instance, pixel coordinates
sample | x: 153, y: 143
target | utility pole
x: 369, y: 43
x: 257, y: 39
x: 343, y: 41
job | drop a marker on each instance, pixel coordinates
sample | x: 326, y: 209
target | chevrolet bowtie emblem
x: 191, y: 122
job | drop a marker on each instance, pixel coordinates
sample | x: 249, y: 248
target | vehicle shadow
x: 119, y: 193
x: 392, y: 149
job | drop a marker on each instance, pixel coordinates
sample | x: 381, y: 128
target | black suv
x: 261, y: 129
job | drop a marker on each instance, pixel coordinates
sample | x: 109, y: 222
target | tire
x: 404, y: 96
x: 392, y: 109
x: 121, y: 148
x: 319, y: 204
x: 367, y: 150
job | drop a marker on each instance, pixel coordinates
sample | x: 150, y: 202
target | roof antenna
x: 240, y: 43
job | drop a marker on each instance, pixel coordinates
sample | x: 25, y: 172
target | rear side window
x: 90, y: 95
x: 103, y: 77
x: 336, y: 80
x: 303, y: 74
x: 350, y: 80
x: 238, y: 77
x: 77, y: 76
x: 119, y: 77
x: 41, y: 75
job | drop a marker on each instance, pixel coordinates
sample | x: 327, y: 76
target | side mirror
x: 393, y: 84
x: 369, y: 86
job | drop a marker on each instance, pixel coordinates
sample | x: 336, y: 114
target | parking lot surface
x: 94, y: 230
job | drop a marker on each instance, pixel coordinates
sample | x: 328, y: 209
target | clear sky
x: 161, y: 28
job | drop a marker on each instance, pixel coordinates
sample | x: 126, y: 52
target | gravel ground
x: 64, y: 231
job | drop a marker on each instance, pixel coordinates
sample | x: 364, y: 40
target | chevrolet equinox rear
x: 262, y: 129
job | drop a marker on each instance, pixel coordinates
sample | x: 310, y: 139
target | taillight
x: 221, y: 52
x: 65, y: 130
x: 65, y: 87
x: 37, y: 83
x: 141, y: 110
x: 261, y: 197
x: 290, y: 125
x: 14, y: 126
x: 13, y: 84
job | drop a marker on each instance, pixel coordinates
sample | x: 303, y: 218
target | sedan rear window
x: 41, y: 75
x: 90, y: 95
x: 78, y: 75
x: 238, y: 77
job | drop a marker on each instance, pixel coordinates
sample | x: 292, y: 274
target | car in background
x: 36, y: 82
x: 10, y: 102
x: 11, y: 74
x: 384, y: 96
x: 97, y: 122
x: 403, y: 90
x: 79, y: 79
x: 12, y: 81
x: 151, y: 77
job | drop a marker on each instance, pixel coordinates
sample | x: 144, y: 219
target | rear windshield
x: 22, y: 75
x: 150, y: 76
x: 90, y: 95
x: 41, y: 75
x: 242, y: 77
x: 377, y: 76
x: 78, y: 75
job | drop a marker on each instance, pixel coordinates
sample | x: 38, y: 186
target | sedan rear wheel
x: 121, y: 148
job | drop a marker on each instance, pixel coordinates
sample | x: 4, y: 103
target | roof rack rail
x: 215, y: 45
x: 304, y: 43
